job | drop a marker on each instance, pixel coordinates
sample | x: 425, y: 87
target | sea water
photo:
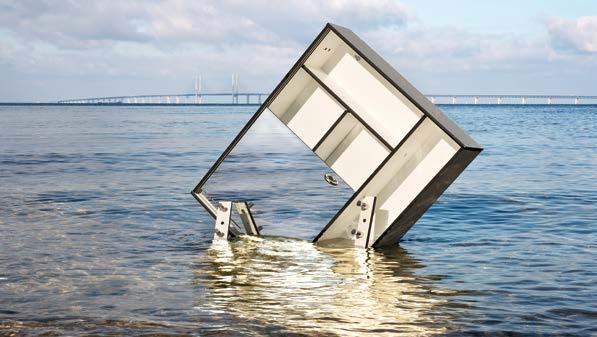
x: 99, y: 234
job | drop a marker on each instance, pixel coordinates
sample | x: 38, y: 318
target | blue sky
x: 52, y: 50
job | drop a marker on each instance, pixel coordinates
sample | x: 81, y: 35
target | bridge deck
x: 256, y: 98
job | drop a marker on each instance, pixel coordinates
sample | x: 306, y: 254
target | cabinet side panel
x: 427, y: 197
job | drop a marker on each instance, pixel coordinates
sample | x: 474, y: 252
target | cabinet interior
x: 401, y: 179
x: 362, y: 88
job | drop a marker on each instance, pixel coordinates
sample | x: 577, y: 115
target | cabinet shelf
x: 351, y: 106
x: 402, y: 177
x: 358, y: 86
x: 352, y: 151
x: 306, y: 108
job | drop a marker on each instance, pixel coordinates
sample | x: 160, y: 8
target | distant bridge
x: 256, y: 98
x: 512, y: 99
x: 239, y: 98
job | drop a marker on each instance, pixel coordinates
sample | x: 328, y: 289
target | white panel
x: 306, y: 108
x: 336, y: 137
x: 432, y: 163
x: 401, y: 179
x: 363, y: 89
x: 315, y: 117
x: 328, y: 46
x: 381, y: 109
x: 359, y: 159
x: 300, y: 82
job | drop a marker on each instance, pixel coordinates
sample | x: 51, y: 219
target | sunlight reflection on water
x: 310, y: 289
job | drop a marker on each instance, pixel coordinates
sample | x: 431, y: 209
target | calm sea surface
x: 100, y: 236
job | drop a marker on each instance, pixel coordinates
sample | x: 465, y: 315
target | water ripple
x: 99, y: 235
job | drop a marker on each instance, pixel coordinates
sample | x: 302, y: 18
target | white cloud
x: 69, y: 23
x: 155, y: 46
x: 578, y: 35
x: 454, y: 48
x: 154, y: 41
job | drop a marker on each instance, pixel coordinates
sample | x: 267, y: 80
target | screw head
x: 330, y: 179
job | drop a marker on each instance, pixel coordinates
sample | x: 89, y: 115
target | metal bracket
x: 362, y: 233
x: 244, y: 211
x: 223, y: 227
x: 223, y: 213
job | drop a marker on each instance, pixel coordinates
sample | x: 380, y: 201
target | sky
x: 51, y: 50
